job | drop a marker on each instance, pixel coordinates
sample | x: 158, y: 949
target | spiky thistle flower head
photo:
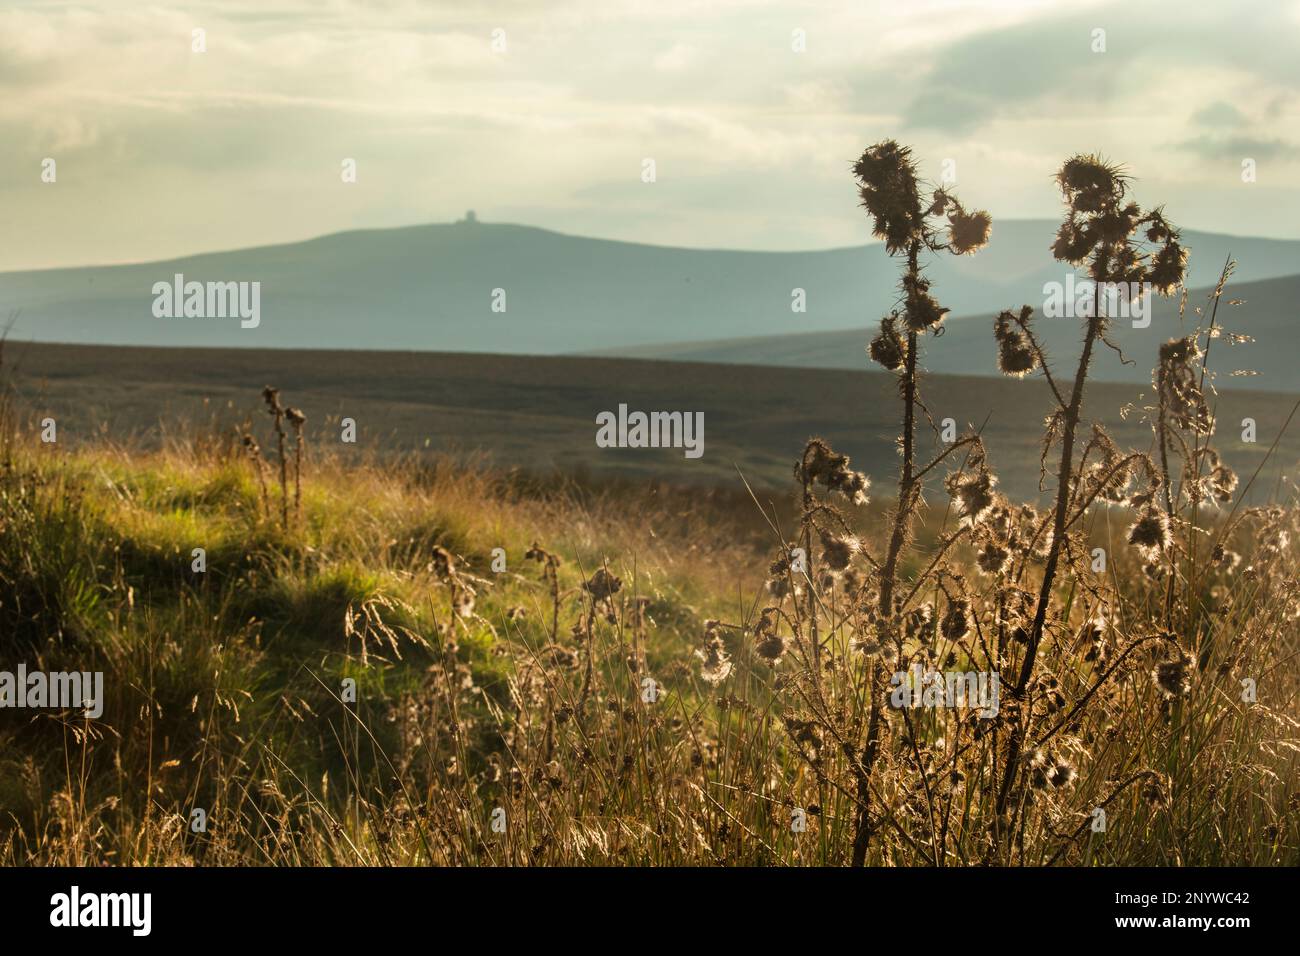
x: 838, y: 550
x: 1179, y: 385
x: 1223, y: 482
x: 1150, y: 532
x: 768, y: 644
x: 1099, y: 228
x: 887, y: 348
x: 1111, y: 476
x: 1062, y: 774
x: 890, y: 192
x: 821, y: 464
x: 1168, y: 267
x: 993, y: 558
x: 1016, y: 354
x: 1090, y: 184
x: 1074, y: 240
x: 1173, y: 676
x: 956, y: 621
x: 1168, y: 263
x: 715, y: 662
x: 973, y: 493
x: 968, y: 232
x: 602, y: 585
x: 921, y: 311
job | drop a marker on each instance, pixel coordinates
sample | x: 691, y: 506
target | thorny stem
x: 1162, y: 438
x: 862, y: 828
x: 284, y: 466
x: 807, y: 521
x: 902, y: 520
x: 906, y: 496
x: 1064, y: 490
x: 297, y: 471
x: 554, y: 576
x: 1224, y: 273
x: 1064, y: 486
x: 1162, y: 433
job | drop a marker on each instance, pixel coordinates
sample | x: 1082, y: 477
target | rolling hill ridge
x: 434, y: 288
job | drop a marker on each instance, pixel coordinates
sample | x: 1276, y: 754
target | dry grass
x: 224, y: 689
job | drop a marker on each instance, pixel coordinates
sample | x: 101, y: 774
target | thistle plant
x: 911, y: 224
x: 1123, y: 247
x: 297, y: 419
x: 273, y: 407
x: 1184, y: 424
x: 254, y: 452
x: 891, y: 192
x: 551, y: 573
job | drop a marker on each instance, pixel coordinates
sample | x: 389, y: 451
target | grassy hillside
x: 518, y: 695
x: 223, y: 688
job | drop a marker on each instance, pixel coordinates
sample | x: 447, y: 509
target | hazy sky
x: 161, y: 150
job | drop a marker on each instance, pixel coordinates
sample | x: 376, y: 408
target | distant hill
x: 431, y: 288
x: 1267, y: 310
x: 538, y: 413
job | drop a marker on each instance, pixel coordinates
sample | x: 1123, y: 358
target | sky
x: 545, y: 113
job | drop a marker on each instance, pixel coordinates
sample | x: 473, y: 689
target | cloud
x: 1217, y: 147
x: 1048, y: 64
x: 1229, y: 134
x: 1001, y: 72
x: 1219, y: 114
x: 163, y: 151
